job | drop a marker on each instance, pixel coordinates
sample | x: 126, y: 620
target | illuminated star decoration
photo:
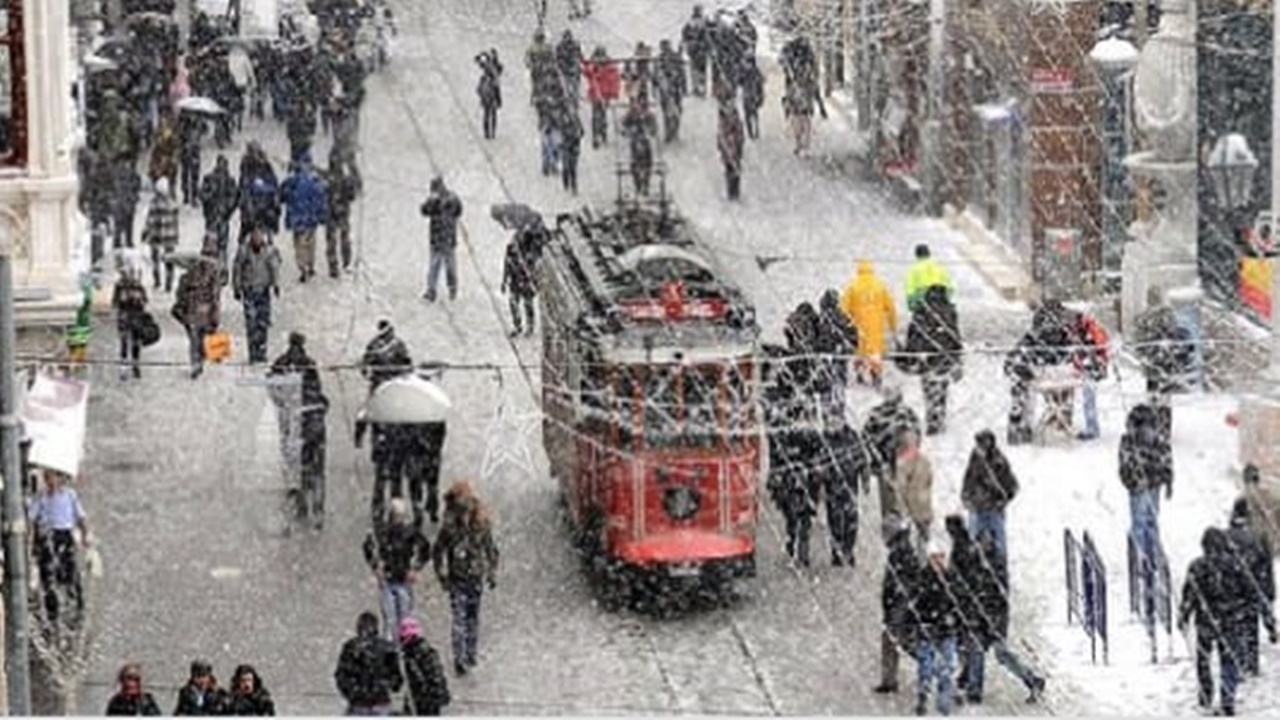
x: 508, y: 440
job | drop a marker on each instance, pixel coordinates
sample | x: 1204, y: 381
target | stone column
x: 1064, y: 143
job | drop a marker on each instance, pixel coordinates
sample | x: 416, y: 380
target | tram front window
x: 680, y: 412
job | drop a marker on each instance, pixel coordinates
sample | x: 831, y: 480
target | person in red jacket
x: 604, y: 84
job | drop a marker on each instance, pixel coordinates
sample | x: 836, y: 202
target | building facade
x: 39, y: 188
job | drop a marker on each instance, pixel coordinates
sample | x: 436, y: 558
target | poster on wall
x: 54, y: 415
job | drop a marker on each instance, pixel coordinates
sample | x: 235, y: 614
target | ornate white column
x: 1163, y: 252
x: 42, y: 198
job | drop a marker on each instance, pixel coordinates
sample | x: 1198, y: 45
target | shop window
x: 13, y: 95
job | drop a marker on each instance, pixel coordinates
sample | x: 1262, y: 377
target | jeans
x: 158, y: 253
x: 195, y: 345
x: 1144, y: 529
x: 992, y: 520
x: 257, y: 320
x: 490, y: 121
x: 973, y: 681
x: 189, y: 173
x: 337, y: 240
x: 464, y: 602
x: 397, y: 604
x: 442, y: 259
x: 599, y: 124
x: 936, y: 660
x: 130, y: 347
x: 1229, y: 653
x: 1089, y: 401
x: 515, y: 300
x: 222, y: 229
x: 550, y: 152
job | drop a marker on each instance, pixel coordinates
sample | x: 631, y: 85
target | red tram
x: 649, y: 380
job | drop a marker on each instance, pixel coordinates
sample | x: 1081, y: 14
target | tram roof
x: 641, y: 274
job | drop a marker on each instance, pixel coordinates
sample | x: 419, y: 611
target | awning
x: 54, y: 415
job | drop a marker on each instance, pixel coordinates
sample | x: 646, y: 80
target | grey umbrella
x: 515, y: 216
x: 187, y: 259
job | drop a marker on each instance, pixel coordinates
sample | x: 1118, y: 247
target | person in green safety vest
x: 924, y: 273
x: 78, y: 334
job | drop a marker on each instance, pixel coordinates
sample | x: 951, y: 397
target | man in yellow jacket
x: 924, y: 273
x: 869, y: 306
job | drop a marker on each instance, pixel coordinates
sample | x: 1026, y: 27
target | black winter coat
x: 443, y: 209
x: 518, y: 276
x: 1216, y: 592
x: 982, y: 592
x: 399, y: 549
x: 1164, y: 346
x: 1049, y: 342
x: 842, y: 464
x: 935, y: 612
x: 1247, y: 545
x: 793, y: 482
x: 428, y: 686
x: 193, y: 702
x: 900, y: 572
x: 933, y: 337
x: 989, y: 482
x: 368, y: 671
x: 143, y: 704
x: 1146, y: 460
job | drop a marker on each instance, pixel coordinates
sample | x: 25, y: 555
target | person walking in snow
x: 640, y: 127
x: 869, y: 306
x: 844, y: 473
x: 881, y: 435
x: 519, y: 284
x: 934, y: 351
x: 249, y: 695
x: 901, y: 571
x: 368, y: 671
x: 1146, y: 466
x: 836, y: 342
x: 935, y: 617
x: 254, y: 279
x: 466, y: 562
x: 604, y: 85
x: 569, y: 63
x: 306, y: 202
x: 161, y: 233
x: 1211, y: 596
x: 396, y: 551
x: 729, y: 140
x: 490, y: 91
x: 982, y: 595
x: 669, y: 82
x: 443, y: 209
x: 1247, y: 545
x: 696, y: 43
x: 912, y: 485
x: 988, y: 488
x: 752, y: 96
x: 1091, y: 361
x: 424, y: 674
x: 1165, y: 348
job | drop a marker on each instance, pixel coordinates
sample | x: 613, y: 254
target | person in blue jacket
x: 306, y: 202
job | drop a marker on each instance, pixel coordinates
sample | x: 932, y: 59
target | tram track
x: 417, y: 15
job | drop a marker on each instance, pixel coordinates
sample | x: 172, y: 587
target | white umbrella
x: 407, y: 400
x: 97, y: 62
x: 200, y: 104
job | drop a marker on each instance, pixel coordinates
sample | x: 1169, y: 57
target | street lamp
x: 1232, y: 165
x: 1115, y: 59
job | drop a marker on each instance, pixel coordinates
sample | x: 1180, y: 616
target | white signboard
x: 54, y: 415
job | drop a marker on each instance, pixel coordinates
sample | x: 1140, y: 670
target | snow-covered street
x: 184, y: 493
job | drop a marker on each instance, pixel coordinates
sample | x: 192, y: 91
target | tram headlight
x: 681, y: 502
